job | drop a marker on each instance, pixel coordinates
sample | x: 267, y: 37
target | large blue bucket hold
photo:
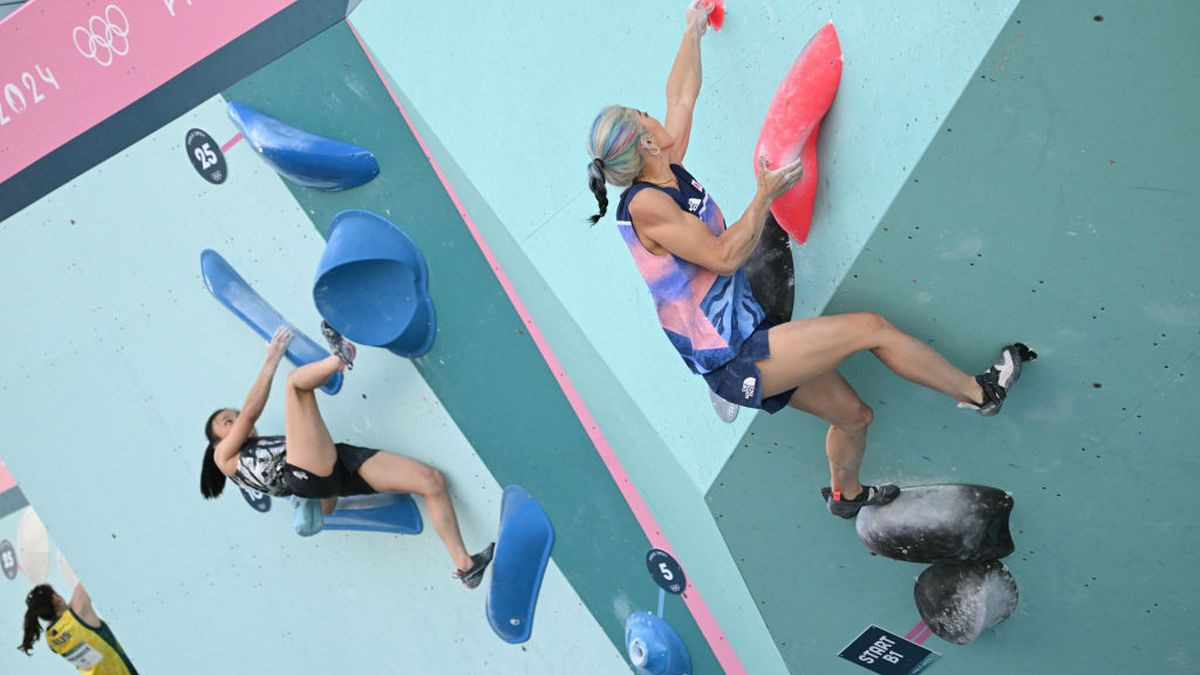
x: 372, y: 285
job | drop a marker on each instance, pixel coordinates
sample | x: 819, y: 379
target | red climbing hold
x: 793, y: 122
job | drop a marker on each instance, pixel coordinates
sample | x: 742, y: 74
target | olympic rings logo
x: 104, y: 36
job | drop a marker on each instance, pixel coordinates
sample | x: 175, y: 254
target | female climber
x: 693, y: 265
x: 305, y: 461
x: 74, y: 631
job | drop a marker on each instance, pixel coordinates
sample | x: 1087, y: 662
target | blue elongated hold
x: 522, y: 552
x: 653, y: 647
x: 303, y: 158
x: 231, y: 290
x: 389, y: 513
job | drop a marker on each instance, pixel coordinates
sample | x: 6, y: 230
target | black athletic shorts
x: 343, y: 482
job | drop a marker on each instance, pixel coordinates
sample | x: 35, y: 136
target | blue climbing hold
x: 653, y: 647
x: 372, y: 285
x: 231, y: 290
x: 257, y: 500
x: 303, y: 158
x: 522, y: 552
x: 390, y: 513
x: 307, y: 518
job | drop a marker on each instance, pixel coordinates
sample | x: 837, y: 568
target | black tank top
x: 260, y: 466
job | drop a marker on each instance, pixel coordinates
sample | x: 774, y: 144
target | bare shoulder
x: 226, y: 456
x: 81, y: 604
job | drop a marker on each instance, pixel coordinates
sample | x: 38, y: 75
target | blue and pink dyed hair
x: 616, y: 156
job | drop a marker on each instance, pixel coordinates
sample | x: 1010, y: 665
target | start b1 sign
x: 886, y: 653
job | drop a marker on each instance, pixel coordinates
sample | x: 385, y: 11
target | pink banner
x: 66, y: 65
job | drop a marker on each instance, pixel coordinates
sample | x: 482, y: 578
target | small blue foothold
x: 653, y: 647
x: 387, y: 512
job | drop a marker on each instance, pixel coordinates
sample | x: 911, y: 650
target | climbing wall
x: 1054, y: 206
x: 485, y: 367
x: 124, y: 353
x: 1050, y: 203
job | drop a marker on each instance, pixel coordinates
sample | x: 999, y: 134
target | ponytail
x: 596, y: 183
x: 212, y: 481
x: 39, y: 604
x: 612, y: 144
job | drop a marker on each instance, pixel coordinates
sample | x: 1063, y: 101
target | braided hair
x: 39, y: 604
x: 596, y: 183
x: 613, y: 144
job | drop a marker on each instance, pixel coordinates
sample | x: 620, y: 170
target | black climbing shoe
x: 871, y: 495
x: 479, y: 563
x: 340, y: 346
x: 999, y: 379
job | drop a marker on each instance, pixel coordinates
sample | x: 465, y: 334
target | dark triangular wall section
x: 11, y: 500
x: 246, y: 54
x: 1057, y: 205
x: 484, y: 367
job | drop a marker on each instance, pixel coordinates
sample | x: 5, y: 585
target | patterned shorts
x: 739, y: 381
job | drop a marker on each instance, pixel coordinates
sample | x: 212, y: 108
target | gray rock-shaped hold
x: 771, y: 272
x: 940, y: 524
x: 958, y: 602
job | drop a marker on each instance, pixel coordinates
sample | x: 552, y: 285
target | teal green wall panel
x: 1056, y: 206
x: 666, y: 486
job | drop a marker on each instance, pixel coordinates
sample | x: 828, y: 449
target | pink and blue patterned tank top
x: 706, y: 315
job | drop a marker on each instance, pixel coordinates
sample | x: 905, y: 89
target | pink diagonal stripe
x: 231, y: 142
x: 720, y: 646
x: 6, y: 479
x: 916, y: 630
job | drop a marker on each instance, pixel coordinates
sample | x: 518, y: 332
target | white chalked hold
x: 940, y: 524
x: 959, y: 602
